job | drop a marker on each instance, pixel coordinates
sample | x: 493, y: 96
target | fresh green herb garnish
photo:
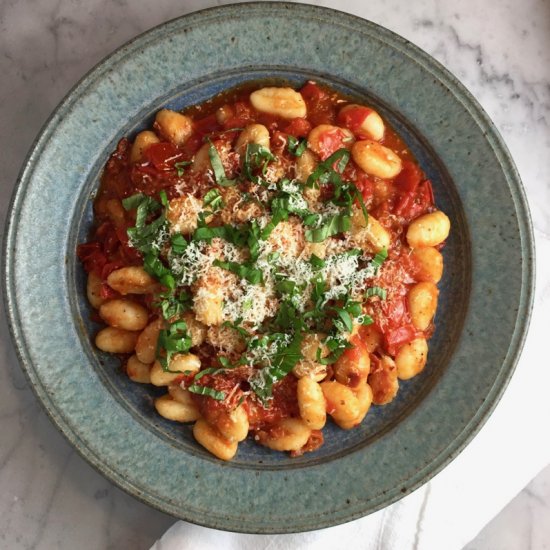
x: 245, y: 271
x: 296, y: 147
x: 218, y: 169
x: 379, y: 259
x: 154, y: 266
x: 332, y: 225
x: 317, y: 262
x: 205, y: 390
x: 180, y: 167
x: 144, y: 236
x: 282, y: 362
x: 173, y: 340
x: 173, y: 304
x: 376, y: 291
x: 325, y: 173
x: 213, y: 199
x: 256, y: 157
x: 179, y: 243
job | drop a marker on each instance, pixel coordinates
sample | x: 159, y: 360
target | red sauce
x: 394, y: 203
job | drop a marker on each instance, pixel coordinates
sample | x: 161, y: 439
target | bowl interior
x: 453, y: 300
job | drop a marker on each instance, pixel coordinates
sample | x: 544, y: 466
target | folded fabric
x: 454, y: 506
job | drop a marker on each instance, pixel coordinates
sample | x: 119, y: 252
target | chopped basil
x: 235, y: 235
x: 325, y: 173
x: 180, y: 167
x: 173, y: 340
x: 336, y: 345
x: 282, y: 363
x: 245, y: 271
x: 376, y: 291
x: 217, y: 167
x: 235, y: 326
x: 337, y: 223
x: 179, y: 244
x: 317, y: 262
x: 296, y: 147
x: 205, y: 390
x: 256, y: 157
x: 172, y: 304
x: 277, y: 217
x: 213, y: 199
x: 379, y: 259
x: 154, y: 266
x: 144, y: 236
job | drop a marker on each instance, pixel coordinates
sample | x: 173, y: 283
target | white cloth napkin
x: 453, y: 507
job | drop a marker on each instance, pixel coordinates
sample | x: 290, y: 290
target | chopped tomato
x: 206, y: 125
x: 398, y: 337
x: 162, y: 155
x: 353, y: 118
x: 331, y: 140
x: 298, y: 127
x: 92, y: 257
x: 365, y: 186
x: 408, y: 179
x: 320, y: 108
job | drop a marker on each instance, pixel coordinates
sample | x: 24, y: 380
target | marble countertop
x: 50, y: 497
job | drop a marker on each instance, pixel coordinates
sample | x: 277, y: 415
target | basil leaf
x: 245, y: 271
x: 174, y: 304
x: 253, y: 240
x: 173, y: 340
x: 235, y: 326
x: 153, y: 265
x: 296, y: 147
x: 256, y: 157
x: 346, y: 319
x: 325, y: 173
x: 205, y: 390
x: 336, y: 345
x: 376, y: 291
x: 337, y: 223
x: 277, y: 217
x: 143, y: 237
x: 213, y: 199
x: 234, y: 235
x: 180, y: 167
x: 179, y: 244
x: 379, y: 259
x: 317, y: 262
x: 217, y: 167
x: 129, y: 203
x: 282, y: 363
x: 365, y: 320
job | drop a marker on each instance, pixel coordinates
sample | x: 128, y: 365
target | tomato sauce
x: 162, y: 167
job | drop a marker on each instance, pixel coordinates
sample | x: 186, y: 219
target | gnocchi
x: 271, y: 259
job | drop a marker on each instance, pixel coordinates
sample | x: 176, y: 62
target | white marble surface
x: 51, y: 498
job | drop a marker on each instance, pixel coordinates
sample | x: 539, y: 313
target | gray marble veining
x: 50, y: 497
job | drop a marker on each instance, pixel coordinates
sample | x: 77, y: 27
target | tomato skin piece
x: 357, y: 350
x: 162, y: 155
x: 312, y: 92
x: 320, y: 108
x: 92, y: 257
x: 365, y: 186
x: 298, y: 127
x: 331, y: 141
x: 409, y: 178
x: 398, y: 337
x: 353, y: 118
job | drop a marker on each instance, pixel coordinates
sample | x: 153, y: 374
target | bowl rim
x: 430, y: 64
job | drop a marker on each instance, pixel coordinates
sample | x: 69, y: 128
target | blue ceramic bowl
x: 485, y: 298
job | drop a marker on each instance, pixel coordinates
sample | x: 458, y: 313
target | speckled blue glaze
x: 485, y: 294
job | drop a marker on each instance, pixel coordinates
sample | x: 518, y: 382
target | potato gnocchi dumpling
x: 271, y: 259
